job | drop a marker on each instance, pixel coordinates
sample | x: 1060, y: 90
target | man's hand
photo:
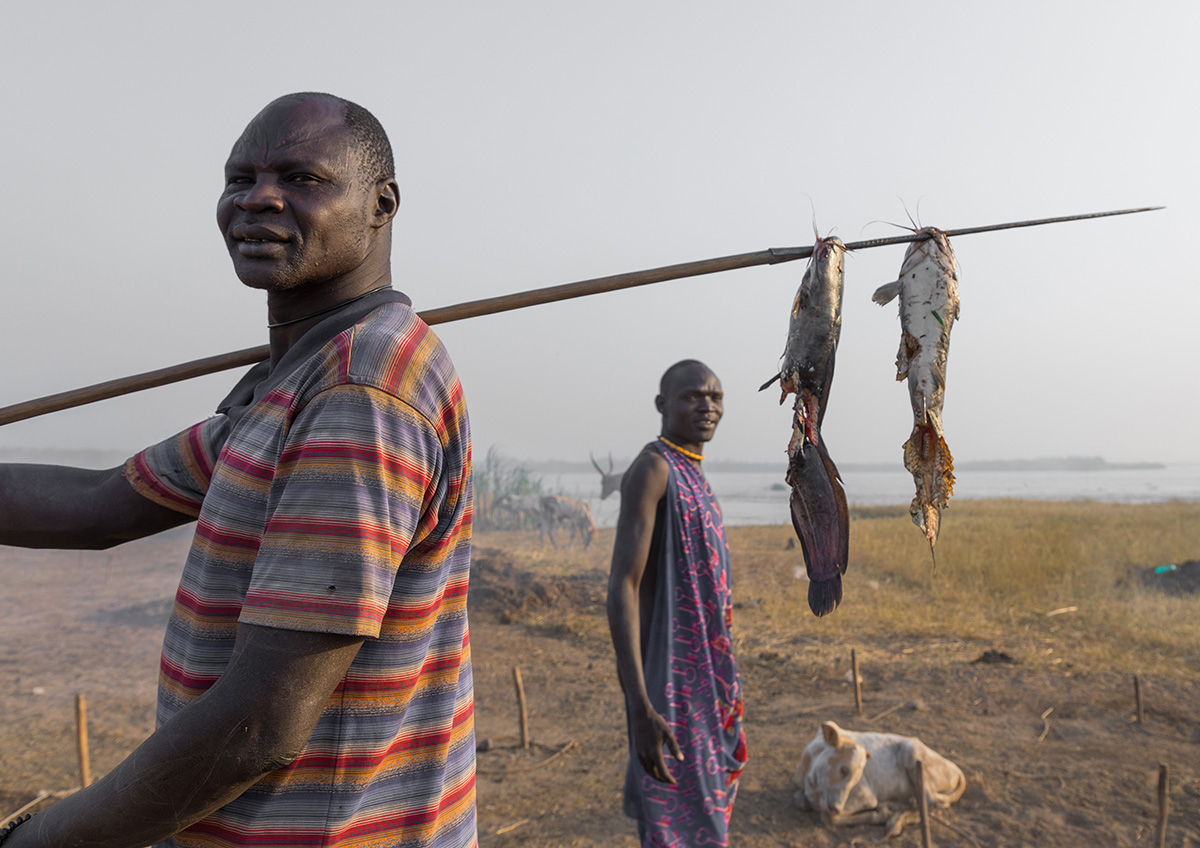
x: 650, y: 733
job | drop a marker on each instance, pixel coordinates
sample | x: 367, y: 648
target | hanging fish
x: 819, y: 511
x: 928, y: 290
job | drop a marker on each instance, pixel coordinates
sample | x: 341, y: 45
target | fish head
x: 823, y: 277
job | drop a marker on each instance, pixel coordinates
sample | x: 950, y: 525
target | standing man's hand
x: 650, y: 733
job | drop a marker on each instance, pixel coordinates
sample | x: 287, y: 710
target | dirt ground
x: 1052, y: 758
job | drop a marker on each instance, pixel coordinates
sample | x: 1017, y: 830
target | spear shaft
x: 492, y: 305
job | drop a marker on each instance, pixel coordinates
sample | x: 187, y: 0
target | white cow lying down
x: 871, y: 778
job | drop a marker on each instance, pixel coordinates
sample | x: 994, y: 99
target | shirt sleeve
x: 176, y: 472
x: 356, y: 486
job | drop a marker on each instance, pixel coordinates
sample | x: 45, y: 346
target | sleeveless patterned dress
x: 691, y: 673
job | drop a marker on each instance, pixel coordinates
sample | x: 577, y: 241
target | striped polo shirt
x: 333, y: 494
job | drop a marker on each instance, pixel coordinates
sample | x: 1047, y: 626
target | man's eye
x: 238, y: 180
x: 302, y: 178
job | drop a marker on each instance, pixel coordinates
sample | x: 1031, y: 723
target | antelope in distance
x: 609, y: 482
x: 576, y: 513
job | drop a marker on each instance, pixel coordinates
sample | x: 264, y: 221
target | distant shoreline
x: 1058, y: 464
x: 91, y: 458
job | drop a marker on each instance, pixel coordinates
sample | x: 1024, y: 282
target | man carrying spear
x: 315, y: 684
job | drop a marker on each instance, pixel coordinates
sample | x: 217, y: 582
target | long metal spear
x: 491, y: 305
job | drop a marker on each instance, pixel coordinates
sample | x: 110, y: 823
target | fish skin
x: 820, y: 514
x: 929, y: 305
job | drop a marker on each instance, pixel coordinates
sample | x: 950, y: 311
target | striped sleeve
x: 176, y: 472
x: 354, y: 485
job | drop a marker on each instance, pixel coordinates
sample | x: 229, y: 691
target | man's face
x: 294, y: 211
x: 691, y: 405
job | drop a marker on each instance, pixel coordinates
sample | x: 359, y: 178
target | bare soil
x: 1052, y: 757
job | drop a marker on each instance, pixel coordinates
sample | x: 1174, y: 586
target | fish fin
x: 828, y: 387
x: 842, y: 557
x: 886, y: 293
x: 767, y: 384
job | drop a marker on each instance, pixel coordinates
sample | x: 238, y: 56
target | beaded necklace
x: 696, y: 456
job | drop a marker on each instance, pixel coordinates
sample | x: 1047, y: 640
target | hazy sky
x: 544, y: 142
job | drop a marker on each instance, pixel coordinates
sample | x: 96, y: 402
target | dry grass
x: 1002, y: 565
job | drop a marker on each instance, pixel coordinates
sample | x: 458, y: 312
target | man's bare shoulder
x: 646, y: 476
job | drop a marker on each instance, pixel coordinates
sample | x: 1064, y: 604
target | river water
x: 762, y: 498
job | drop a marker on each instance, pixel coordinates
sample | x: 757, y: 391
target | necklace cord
x: 271, y: 326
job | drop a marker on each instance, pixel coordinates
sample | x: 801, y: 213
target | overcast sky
x: 543, y: 142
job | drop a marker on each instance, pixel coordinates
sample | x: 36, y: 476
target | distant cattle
x: 575, y: 513
x: 609, y: 482
x: 520, y: 507
x: 871, y: 778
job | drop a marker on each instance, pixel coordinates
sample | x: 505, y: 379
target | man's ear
x: 660, y: 404
x: 387, y: 202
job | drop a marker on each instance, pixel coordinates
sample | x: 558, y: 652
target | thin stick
x: 1137, y: 697
x: 923, y: 806
x: 524, y: 716
x: 513, y: 826
x: 1045, y: 724
x: 490, y: 306
x: 1164, y: 775
x: 857, y: 682
x: 567, y: 746
x: 957, y: 830
x: 81, y: 741
x: 41, y: 796
x: 886, y: 712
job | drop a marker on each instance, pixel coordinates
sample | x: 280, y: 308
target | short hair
x: 372, y: 143
x: 674, y: 370
x: 370, y: 140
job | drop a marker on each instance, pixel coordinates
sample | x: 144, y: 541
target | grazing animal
x: 520, y: 506
x: 609, y: 482
x: 871, y: 778
x: 576, y: 513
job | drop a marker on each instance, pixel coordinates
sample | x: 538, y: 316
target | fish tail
x: 928, y: 459
x: 824, y: 595
x: 821, y: 518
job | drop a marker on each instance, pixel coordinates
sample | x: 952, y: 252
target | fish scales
x: 929, y: 305
x: 818, y: 502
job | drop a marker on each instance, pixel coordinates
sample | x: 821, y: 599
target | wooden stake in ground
x: 81, y: 740
x: 524, y: 715
x: 857, y: 681
x: 923, y: 806
x: 1164, y: 774
x: 1137, y: 697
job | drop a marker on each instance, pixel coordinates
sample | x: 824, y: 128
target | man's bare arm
x: 256, y: 718
x: 643, y: 488
x: 53, y: 506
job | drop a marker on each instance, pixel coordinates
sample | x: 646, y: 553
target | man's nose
x: 262, y: 196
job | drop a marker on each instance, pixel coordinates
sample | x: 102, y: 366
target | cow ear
x: 830, y: 731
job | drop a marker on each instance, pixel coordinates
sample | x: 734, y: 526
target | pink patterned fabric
x: 691, y: 673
